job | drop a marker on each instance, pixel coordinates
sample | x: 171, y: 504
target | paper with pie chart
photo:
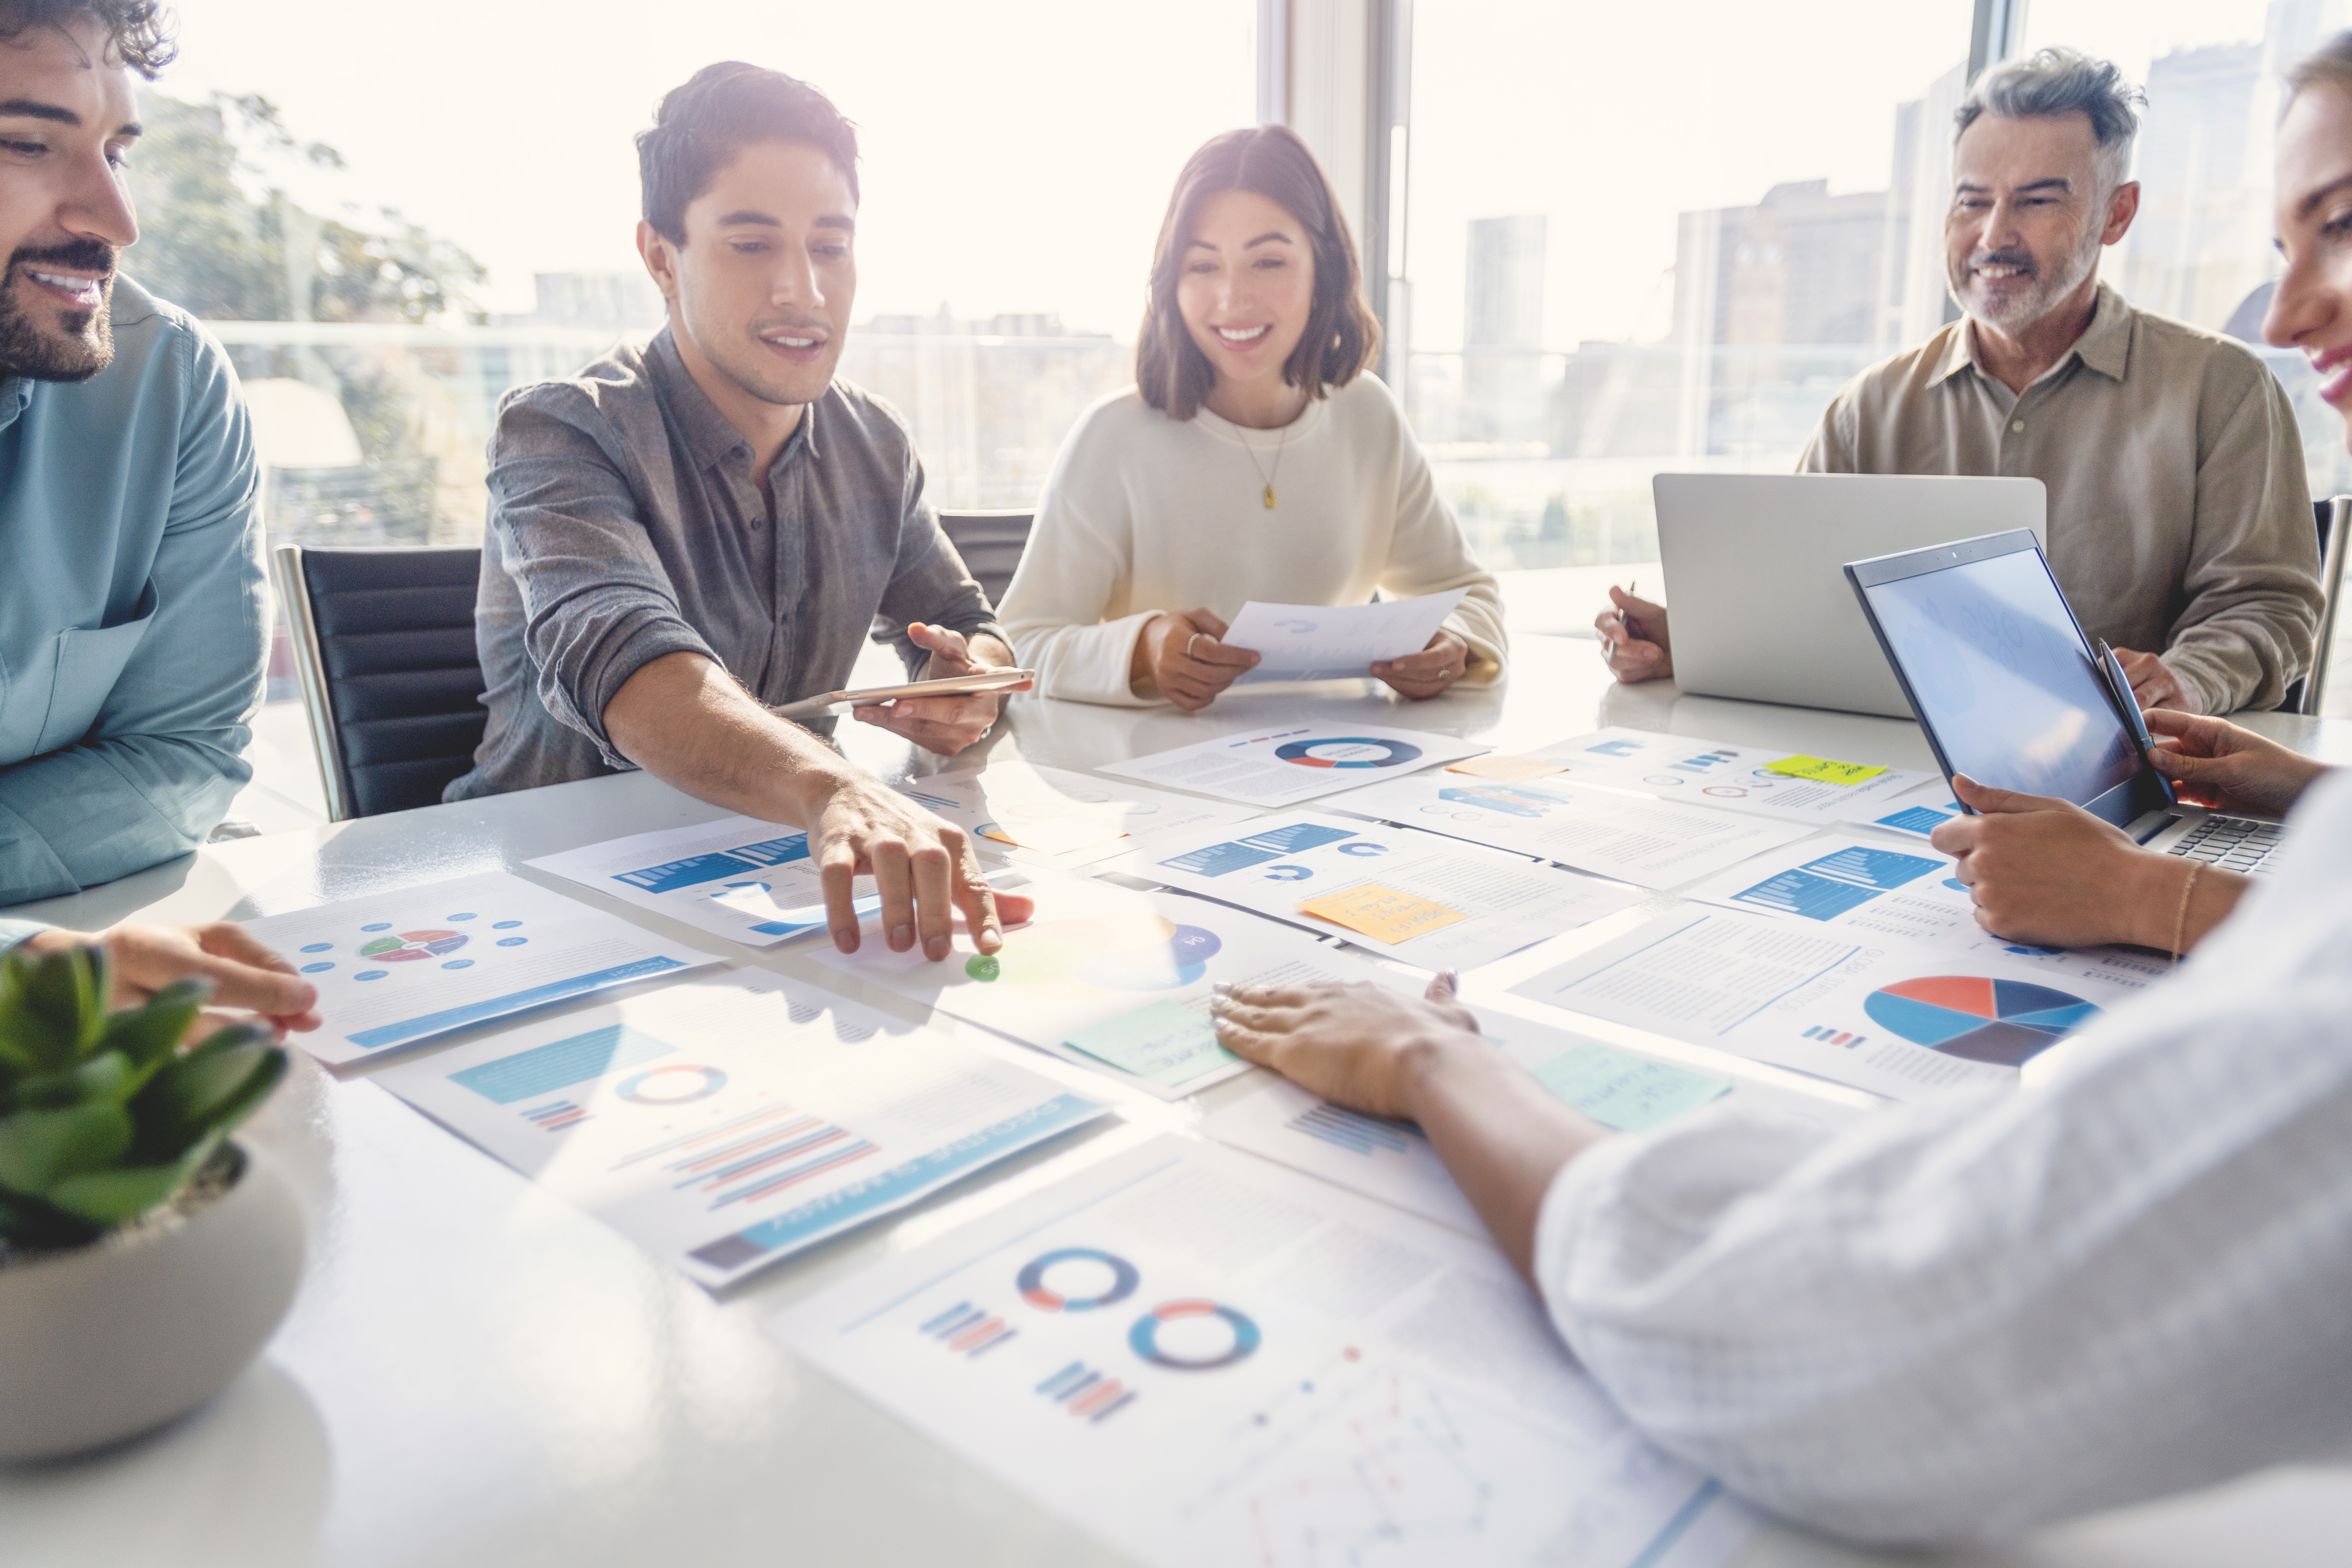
x: 1204, y: 1360
x: 1110, y: 977
x: 739, y: 877
x: 1892, y: 1017
x: 1050, y: 816
x: 1436, y: 903
x: 1734, y: 778
x: 403, y: 967
x: 731, y: 1121
x: 1279, y: 767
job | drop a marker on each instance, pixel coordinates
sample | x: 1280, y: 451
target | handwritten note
x: 1166, y: 1042
x: 1505, y: 770
x: 1384, y: 914
x: 1630, y: 1093
x: 1822, y: 770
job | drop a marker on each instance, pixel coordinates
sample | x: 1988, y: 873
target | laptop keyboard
x: 2232, y: 843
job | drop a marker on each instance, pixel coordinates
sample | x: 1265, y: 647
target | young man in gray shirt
x: 685, y: 535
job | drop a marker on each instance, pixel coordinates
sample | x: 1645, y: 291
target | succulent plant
x: 103, y: 1117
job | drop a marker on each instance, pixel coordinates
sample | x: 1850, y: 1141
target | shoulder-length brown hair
x: 1342, y: 339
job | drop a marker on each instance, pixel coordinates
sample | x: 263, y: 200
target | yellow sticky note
x: 1822, y: 769
x: 1381, y: 913
x: 1509, y: 770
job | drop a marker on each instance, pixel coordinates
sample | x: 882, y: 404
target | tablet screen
x: 2000, y: 673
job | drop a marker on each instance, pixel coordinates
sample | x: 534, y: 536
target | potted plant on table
x: 144, y: 1257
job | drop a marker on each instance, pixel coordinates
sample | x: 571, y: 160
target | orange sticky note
x: 1509, y: 770
x: 1381, y: 913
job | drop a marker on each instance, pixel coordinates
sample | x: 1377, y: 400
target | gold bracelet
x: 2180, y: 917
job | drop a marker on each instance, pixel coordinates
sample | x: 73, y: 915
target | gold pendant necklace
x: 1265, y: 479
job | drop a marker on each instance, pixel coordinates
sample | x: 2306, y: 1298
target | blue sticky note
x: 1630, y: 1093
x: 1166, y: 1042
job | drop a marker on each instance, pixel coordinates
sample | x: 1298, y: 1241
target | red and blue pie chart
x: 2004, y: 1022
x: 1348, y: 751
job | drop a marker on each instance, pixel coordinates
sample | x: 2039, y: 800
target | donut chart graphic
x: 412, y: 946
x: 2005, y: 1022
x: 1069, y: 960
x: 1341, y: 753
x: 676, y: 1083
x: 1144, y: 1338
x: 1030, y: 1280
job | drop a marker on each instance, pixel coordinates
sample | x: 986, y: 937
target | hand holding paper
x: 1315, y: 642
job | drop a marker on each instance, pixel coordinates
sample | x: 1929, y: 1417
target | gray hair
x: 2053, y: 83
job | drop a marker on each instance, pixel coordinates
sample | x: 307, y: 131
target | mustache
x: 2022, y: 259
x: 81, y: 255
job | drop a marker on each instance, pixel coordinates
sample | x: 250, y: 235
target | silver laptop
x: 1755, y: 581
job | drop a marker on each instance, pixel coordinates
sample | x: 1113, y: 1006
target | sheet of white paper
x: 1917, y: 814
x: 1893, y: 1018
x: 740, y: 878
x: 1269, y: 769
x: 1735, y: 778
x: 730, y: 1122
x: 398, y: 968
x: 1047, y: 816
x: 1637, y: 839
x: 1487, y: 903
x: 1207, y: 1360
x: 1320, y: 642
x: 1856, y: 884
x: 1393, y: 1162
x: 1110, y: 977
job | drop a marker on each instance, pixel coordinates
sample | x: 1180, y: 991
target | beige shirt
x: 2180, y: 520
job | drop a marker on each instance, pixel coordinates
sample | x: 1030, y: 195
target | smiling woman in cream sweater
x: 1255, y: 459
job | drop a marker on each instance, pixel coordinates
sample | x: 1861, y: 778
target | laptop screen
x: 2002, y: 675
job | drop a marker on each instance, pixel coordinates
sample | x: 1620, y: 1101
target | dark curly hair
x: 720, y: 110
x: 139, y: 31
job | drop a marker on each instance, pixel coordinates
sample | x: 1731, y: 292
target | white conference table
x: 476, y: 1374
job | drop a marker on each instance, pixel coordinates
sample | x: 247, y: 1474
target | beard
x: 80, y: 344
x: 2014, y: 307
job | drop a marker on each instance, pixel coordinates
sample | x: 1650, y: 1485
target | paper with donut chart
x: 1271, y: 768
x: 1335, y: 642
x: 739, y: 876
x: 1736, y: 778
x: 1430, y: 902
x: 732, y: 1121
x: 397, y: 968
x: 1895, y: 1017
x: 1109, y: 976
x: 1046, y: 817
x: 1204, y: 1360
x: 1636, y: 838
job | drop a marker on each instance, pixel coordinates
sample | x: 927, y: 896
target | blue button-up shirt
x: 131, y: 618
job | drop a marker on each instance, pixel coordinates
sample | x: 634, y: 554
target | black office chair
x: 990, y: 543
x: 2306, y: 695
x: 383, y: 647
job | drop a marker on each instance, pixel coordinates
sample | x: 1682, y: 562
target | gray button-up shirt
x: 2180, y: 521
x: 626, y: 523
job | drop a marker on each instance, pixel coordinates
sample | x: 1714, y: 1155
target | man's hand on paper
x: 1179, y: 652
x: 945, y: 725
x: 2216, y: 765
x: 2045, y: 871
x: 2153, y: 684
x: 1432, y: 672
x: 1633, y: 640
x: 1356, y: 1044
x: 249, y: 981
x: 923, y: 869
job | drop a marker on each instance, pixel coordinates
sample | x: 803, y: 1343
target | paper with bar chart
x: 1110, y: 977
x: 1854, y: 885
x: 1430, y: 902
x: 1207, y: 1360
x: 740, y: 878
x: 1049, y: 816
x: 397, y: 968
x: 730, y: 1123
x: 1759, y: 779
x: 1634, y: 838
x: 1293, y: 762
x: 1896, y: 1018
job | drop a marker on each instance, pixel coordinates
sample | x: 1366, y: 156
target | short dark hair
x: 722, y: 110
x: 1342, y: 336
x: 140, y: 31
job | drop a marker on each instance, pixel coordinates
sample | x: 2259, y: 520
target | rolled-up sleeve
x: 159, y: 765
x: 597, y: 604
x: 930, y: 581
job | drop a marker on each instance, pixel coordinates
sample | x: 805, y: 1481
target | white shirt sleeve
x: 1975, y: 1313
x: 1077, y: 554
x: 1428, y: 555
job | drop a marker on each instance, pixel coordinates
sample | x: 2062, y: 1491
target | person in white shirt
x: 1976, y: 1312
x: 1256, y: 458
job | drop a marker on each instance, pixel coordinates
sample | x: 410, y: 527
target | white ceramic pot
x: 108, y: 1340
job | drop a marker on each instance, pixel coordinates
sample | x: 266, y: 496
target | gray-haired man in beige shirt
x: 2180, y: 522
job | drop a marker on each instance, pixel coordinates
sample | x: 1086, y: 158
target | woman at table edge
x: 1976, y: 1312
x: 1256, y: 457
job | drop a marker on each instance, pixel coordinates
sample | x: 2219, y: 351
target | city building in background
x: 1502, y: 330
